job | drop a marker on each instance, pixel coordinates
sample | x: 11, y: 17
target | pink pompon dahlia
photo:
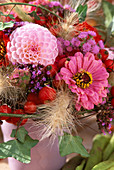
x: 87, y: 78
x: 32, y: 44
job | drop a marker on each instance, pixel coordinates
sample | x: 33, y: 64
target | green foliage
x: 101, y: 155
x: 71, y: 144
x: 108, y: 11
x: 96, y: 153
x: 82, y: 10
x: 20, y: 134
x: 6, y: 25
x: 20, y: 147
x: 34, y: 14
x: 9, y: 15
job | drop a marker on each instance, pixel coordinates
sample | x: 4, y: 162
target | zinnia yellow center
x: 83, y: 79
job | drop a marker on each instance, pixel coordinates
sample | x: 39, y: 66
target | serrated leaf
x: 34, y: 14
x: 20, y: 134
x: 82, y: 10
x: 71, y: 144
x: 17, y: 149
x: 6, y: 25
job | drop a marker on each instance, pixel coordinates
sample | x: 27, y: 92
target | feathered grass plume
x: 10, y: 94
x: 67, y: 27
x: 57, y: 116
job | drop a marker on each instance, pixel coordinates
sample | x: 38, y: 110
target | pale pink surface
x: 92, y: 95
x: 32, y: 43
x: 44, y: 156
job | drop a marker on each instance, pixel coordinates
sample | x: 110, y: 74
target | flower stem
x: 24, y: 116
x: 38, y: 6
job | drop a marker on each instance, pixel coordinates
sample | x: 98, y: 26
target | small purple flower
x: 32, y: 82
x: 101, y: 44
x: 77, y: 43
x: 48, y: 72
x: 66, y: 43
x: 69, y: 48
x: 32, y: 90
x: 92, y: 33
x: 86, y: 47
x: 83, y: 35
x: 74, y: 40
x: 38, y: 84
x: 44, y: 79
x: 95, y: 49
x: 92, y: 42
x: 39, y: 72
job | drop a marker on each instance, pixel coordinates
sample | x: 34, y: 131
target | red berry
x: 33, y: 97
x: 112, y: 91
x: 30, y: 107
x: 112, y: 102
x: 61, y: 63
x: 109, y: 65
x: 52, y: 69
x: 104, y: 53
x: 5, y: 109
x: 47, y: 94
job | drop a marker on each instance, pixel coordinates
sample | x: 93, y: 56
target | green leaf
x: 20, y: 134
x: 71, y: 144
x: 96, y: 154
x: 6, y: 25
x: 11, y: 16
x: 104, y: 165
x: 17, y: 149
x: 108, y: 9
x: 34, y: 14
x: 81, y: 166
x: 82, y: 10
x: 109, y: 149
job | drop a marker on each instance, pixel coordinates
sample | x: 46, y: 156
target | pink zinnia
x: 87, y: 78
x: 32, y: 44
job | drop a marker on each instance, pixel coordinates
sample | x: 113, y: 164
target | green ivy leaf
x: 82, y: 10
x: 34, y: 14
x: 6, y: 25
x: 17, y: 149
x: 20, y: 134
x: 71, y: 144
x: 9, y: 15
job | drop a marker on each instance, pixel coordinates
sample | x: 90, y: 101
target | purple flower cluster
x: 84, y: 43
x: 105, y: 116
x: 39, y: 77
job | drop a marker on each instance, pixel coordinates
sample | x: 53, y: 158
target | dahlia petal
x: 33, y: 39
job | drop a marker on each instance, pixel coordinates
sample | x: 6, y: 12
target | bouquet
x: 54, y: 69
